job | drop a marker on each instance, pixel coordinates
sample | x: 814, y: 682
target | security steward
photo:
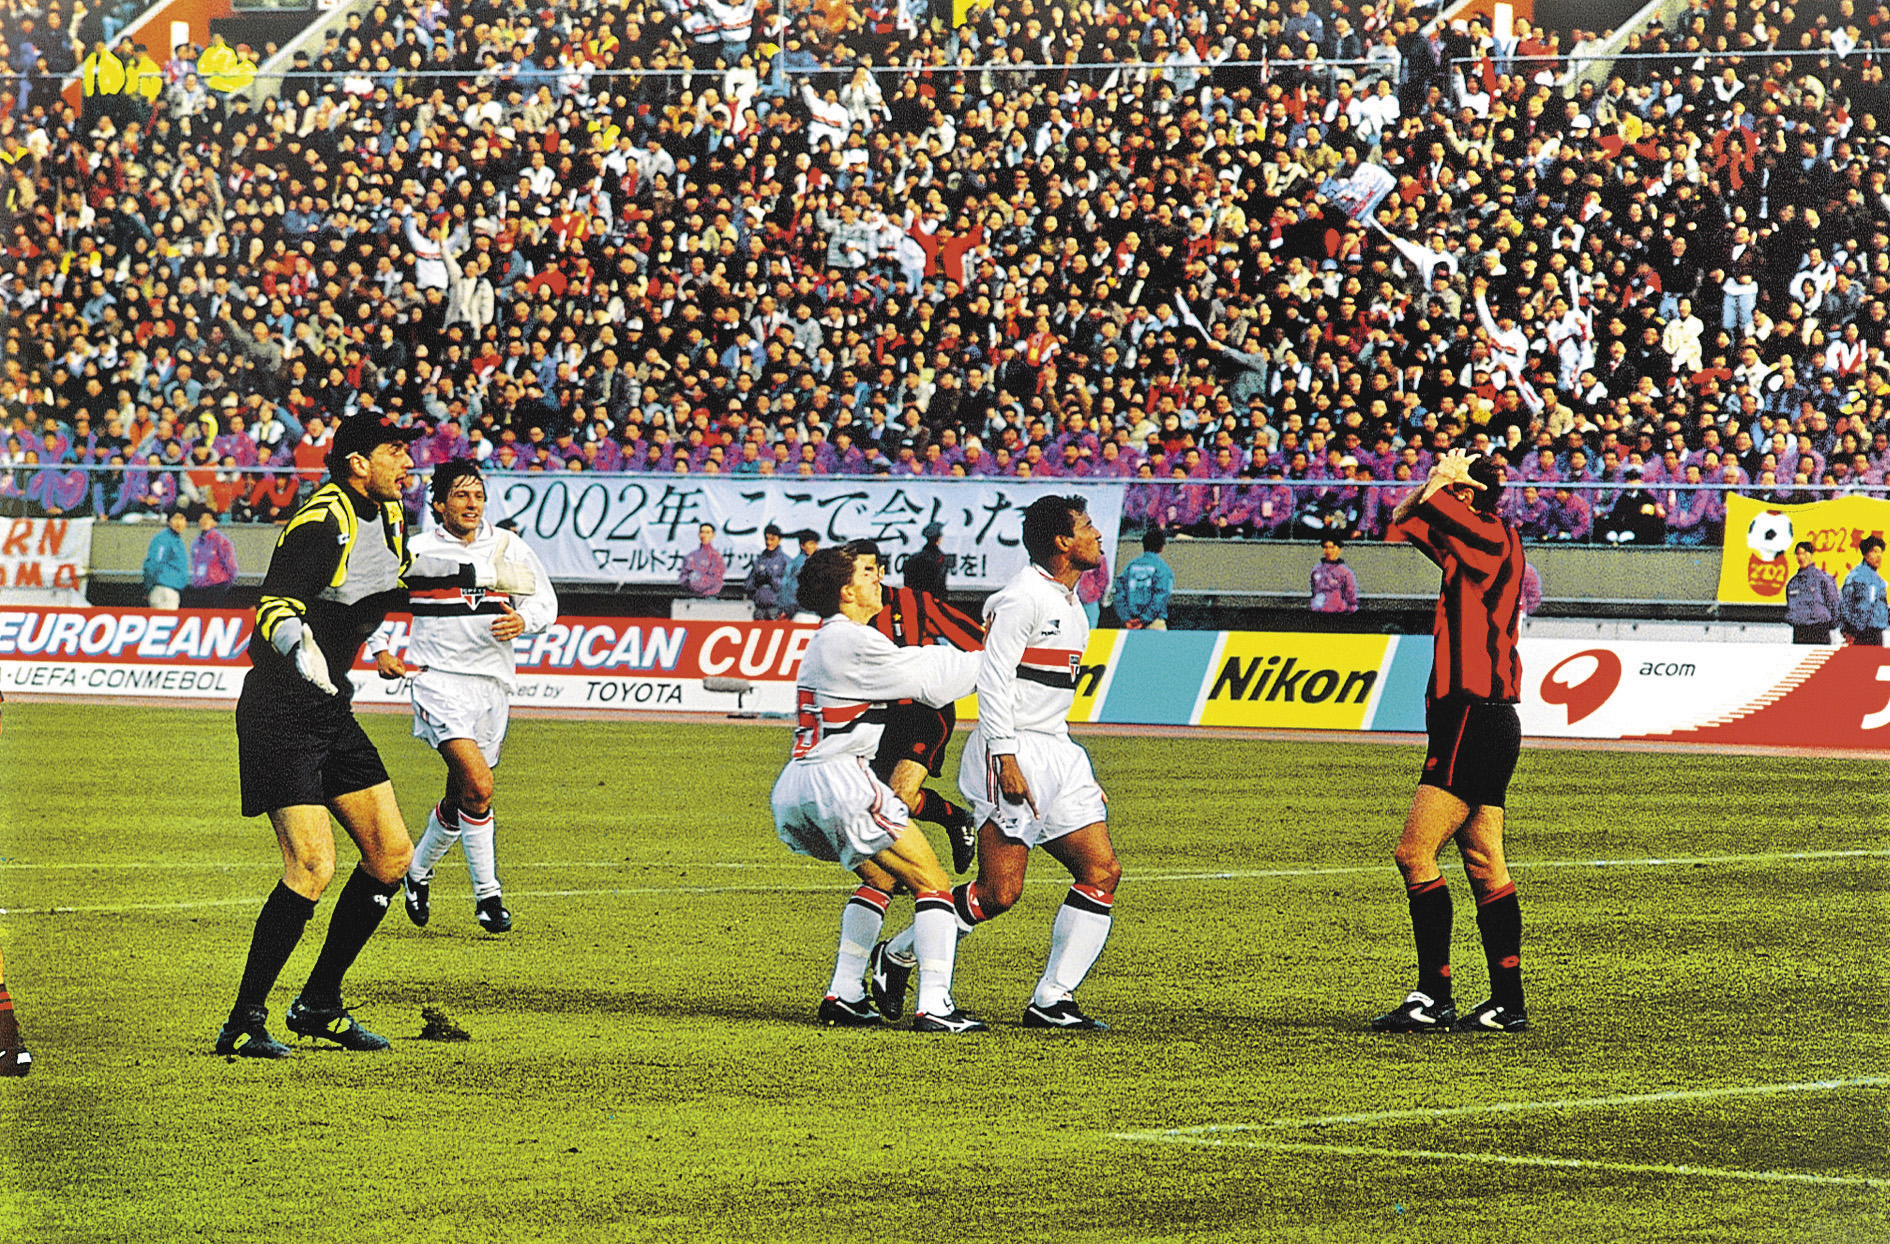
x: 338, y: 567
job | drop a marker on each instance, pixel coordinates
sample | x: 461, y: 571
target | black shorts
x: 296, y: 746
x: 1473, y: 749
x: 914, y: 731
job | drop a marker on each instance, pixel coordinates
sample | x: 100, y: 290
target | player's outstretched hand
x: 392, y: 667
x: 1454, y: 468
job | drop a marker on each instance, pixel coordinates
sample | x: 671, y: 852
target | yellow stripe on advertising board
x: 1092, y: 682
x: 1756, y: 558
x: 1294, y: 681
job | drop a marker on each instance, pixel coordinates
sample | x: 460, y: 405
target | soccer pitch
x: 1704, y: 940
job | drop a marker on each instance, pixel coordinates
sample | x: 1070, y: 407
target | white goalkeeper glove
x: 512, y: 571
x: 297, y: 642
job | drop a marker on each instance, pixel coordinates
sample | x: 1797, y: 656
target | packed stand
x: 643, y: 237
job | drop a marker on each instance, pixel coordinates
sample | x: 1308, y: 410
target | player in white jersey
x: 828, y: 803
x: 1029, y: 784
x: 459, y: 654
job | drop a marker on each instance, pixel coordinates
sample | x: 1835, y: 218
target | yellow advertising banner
x: 1756, y: 559
x: 1294, y: 681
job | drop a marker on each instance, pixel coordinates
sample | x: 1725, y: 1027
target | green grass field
x: 1705, y: 939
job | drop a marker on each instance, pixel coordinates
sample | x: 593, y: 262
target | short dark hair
x: 1154, y: 540
x: 1870, y: 542
x: 771, y: 530
x: 1045, y: 519
x: 1805, y: 545
x: 826, y: 572
x: 1484, y: 471
x: 447, y: 474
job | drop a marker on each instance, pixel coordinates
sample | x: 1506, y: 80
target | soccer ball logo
x: 1770, y: 536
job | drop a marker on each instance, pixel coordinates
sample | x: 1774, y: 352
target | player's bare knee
x: 1105, y: 875
x: 390, y: 863
x: 998, y: 896
x: 309, y: 874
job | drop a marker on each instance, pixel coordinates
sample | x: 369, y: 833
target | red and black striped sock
x: 9, y: 1026
x: 965, y: 902
x: 1499, y: 920
x: 1430, y: 929
x: 448, y: 812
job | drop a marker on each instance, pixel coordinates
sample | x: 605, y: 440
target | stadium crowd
x: 1057, y: 239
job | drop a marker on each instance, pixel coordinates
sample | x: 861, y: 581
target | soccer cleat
x: 336, y: 1024
x: 419, y: 909
x: 839, y: 1013
x: 886, y: 979
x: 964, y: 839
x: 1492, y: 1016
x: 492, y: 915
x: 953, y: 1021
x: 1420, y: 1013
x: 16, y: 1062
x: 1064, y: 1014
x: 244, y: 1035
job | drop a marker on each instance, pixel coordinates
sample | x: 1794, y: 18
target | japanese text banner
x: 628, y: 529
x: 1756, y: 558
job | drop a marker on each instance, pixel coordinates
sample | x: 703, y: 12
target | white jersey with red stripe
x: 851, y: 672
x: 452, y: 627
x: 1035, y: 634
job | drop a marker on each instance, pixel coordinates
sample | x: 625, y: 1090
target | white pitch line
x: 1507, y: 1159
x: 1038, y: 881
x: 1517, y: 1107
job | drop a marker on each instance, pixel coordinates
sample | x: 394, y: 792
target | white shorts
x: 836, y: 810
x: 460, y: 706
x: 1061, y: 781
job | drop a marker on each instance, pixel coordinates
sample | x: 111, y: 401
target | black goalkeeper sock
x: 1499, y: 920
x: 1430, y: 929
x: 937, y: 809
x: 278, y: 928
x: 358, y: 913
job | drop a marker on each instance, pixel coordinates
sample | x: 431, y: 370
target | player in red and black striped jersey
x: 913, y: 744
x: 1475, y: 735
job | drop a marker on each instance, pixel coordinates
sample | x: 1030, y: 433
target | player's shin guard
x: 935, y: 939
x: 860, y: 922
x: 358, y: 913
x: 1499, y: 920
x: 478, y: 835
x: 1430, y: 929
x: 441, y: 833
x: 278, y: 928
x: 1076, y: 939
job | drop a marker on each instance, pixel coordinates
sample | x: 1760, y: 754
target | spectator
x: 1334, y: 589
x: 1811, y: 598
x: 1092, y: 587
x: 766, y: 578
x: 1143, y: 588
x: 212, y: 564
x: 167, y: 564
x: 809, y: 541
x: 925, y: 569
x: 1862, y: 609
x: 704, y: 569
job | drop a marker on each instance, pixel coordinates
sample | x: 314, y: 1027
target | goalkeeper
x: 339, y: 566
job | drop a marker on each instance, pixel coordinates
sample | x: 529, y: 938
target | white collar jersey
x: 452, y: 627
x: 1035, y: 634
x: 851, y: 673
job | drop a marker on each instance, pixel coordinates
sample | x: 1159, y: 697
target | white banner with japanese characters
x: 638, y: 529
